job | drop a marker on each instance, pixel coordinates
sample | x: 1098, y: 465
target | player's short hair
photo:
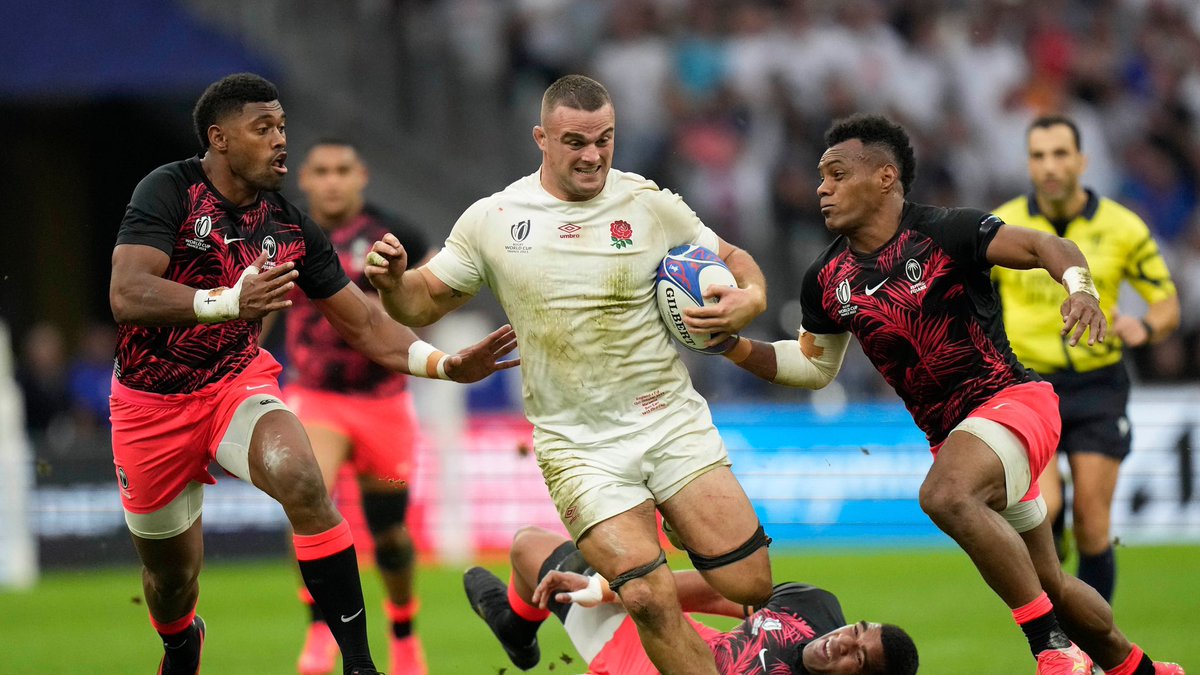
x: 899, y: 651
x: 337, y: 141
x: 1047, y: 121
x: 227, y: 96
x: 578, y: 92
x: 878, y: 131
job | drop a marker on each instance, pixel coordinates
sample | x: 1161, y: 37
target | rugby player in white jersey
x: 571, y: 251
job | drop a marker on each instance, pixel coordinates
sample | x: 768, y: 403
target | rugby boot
x: 320, y: 653
x: 488, y: 596
x: 183, y: 658
x: 407, y: 656
x: 1164, y: 668
x: 1068, y: 661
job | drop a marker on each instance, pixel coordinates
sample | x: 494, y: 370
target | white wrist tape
x: 591, y: 596
x: 215, y: 305
x: 425, y: 360
x: 794, y: 369
x: 1079, y: 280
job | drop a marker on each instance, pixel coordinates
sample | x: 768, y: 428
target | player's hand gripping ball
x: 683, y: 276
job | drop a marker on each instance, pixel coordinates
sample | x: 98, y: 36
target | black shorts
x: 565, y: 558
x: 1092, y: 406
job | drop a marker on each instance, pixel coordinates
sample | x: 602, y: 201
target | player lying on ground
x: 801, y: 628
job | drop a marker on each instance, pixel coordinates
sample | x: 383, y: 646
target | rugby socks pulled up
x: 329, y: 567
x: 174, y: 633
x: 402, y: 617
x: 1100, y: 572
x: 1137, y: 663
x: 1040, y: 626
x: 528, y: 618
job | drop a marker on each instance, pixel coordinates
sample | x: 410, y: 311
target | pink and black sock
x: 1137, y: 663
x: 402, y: 617
x: 329, y: 567
x: 526, y: 618
x: 1040, y: 626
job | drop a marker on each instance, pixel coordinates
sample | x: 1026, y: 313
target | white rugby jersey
x: 576, y: 280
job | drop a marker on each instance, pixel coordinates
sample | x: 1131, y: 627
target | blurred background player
x: 800, y: 629
x: 353, y: 410
x: 1091, y: 380
x: 206, y: 248
x: 570, y: 252
x: 910, y: 281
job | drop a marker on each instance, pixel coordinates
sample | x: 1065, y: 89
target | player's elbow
x: 123, y: 307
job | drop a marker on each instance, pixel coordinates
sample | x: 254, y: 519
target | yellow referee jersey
x: 1118, y: 246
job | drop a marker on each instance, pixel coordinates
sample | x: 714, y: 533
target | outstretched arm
x: 413, y: 297
x: 364, y: 326
x: 738, y: 306
x: 695, y: 594
x: 811, y: 362
x: 1022, y: 248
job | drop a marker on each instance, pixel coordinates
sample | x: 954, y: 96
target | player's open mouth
x: 278, y: 163
x: 588, y: 172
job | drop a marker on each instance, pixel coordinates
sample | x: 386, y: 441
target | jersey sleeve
x: 459, y: 264
x: 1146, y: 270
x: 321, y: 273
x: 812, y: 311
x: 816, y: 605
x: 155, y: 212
x: 680, y: 223
x: 965, y: 234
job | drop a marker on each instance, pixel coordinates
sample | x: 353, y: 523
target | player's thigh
x: 712, y: 513
x: 175, y: 560
x: 281, y: 461
x: 1050, y: 483
x: 622, y: 542
x: 965, y: 466
x: 331, y: 448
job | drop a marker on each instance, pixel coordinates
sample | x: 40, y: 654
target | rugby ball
x: 682, y: 277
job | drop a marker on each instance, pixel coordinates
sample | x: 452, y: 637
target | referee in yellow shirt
x: 1091, y: 380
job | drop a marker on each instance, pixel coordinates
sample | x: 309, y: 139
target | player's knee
x: 385, y: 512
x: 172, y: 581
x: 530, y: 544
x: 647, y: 604
x: 395, y: 554
x: 943, y: 501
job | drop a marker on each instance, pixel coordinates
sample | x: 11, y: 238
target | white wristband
x: 215, y: 305
x: 591, y: 596
x: 425, y: 360
x: 1079, y: 280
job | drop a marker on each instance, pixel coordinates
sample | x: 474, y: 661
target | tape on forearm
x: 214, y: 305
x: 795, y: 369
x: 1079, y: 280
x: 425, y: 360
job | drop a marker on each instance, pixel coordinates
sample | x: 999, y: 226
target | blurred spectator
x: 90, y: 376
x: 42, y: 377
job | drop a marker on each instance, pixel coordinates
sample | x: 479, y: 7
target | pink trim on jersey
x: 174, y: 627
x: 520, y: 607
x: 322, y: 545
x: 1041, y: 606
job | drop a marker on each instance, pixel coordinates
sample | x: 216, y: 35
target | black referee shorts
x: 1092, y: 406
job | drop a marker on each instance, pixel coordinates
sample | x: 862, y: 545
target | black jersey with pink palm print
x: 770, y: 641
x: 924, y: 310
x: 318, y: 357
x: 210, y: 242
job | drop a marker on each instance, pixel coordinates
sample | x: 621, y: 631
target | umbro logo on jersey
x: 871, y: 289
x: 569, y: 231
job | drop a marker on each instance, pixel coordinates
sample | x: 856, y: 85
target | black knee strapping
x: 394, y: 558
x: 637, y: 572
x: 756, y: 541
x: 384, y: 510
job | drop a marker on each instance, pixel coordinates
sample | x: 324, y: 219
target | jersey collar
x: 1089, y: 208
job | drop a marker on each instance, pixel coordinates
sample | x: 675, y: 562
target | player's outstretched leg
x: 489, y: 597
x: 182, y: 650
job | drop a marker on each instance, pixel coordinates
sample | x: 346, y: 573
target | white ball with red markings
x: 682, y: 278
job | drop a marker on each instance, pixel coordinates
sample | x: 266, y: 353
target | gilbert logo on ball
x: 683, y: 276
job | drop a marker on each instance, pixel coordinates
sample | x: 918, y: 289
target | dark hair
x: 227, y: 96
x: 878, y: 131
x: 336, y: 141
x: 1047, y: 121
x: 575, y: 91
x: 899, y: 651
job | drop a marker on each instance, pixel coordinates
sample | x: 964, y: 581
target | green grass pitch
x: 94, y: 621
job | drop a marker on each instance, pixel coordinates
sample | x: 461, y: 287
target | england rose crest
x: 622, y: 233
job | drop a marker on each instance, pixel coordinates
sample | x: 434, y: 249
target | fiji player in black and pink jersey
x: 206, y: 249
x: 799, y: 630
x: 355, y: 411
x: 911, y: 282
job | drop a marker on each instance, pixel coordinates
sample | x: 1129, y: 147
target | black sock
x: 182, y: 649
x: 315, y: 614
x: 1043, y: 633
x: 1145, y: 666
x: 335, y: 587
x: 1100, y: 572
x: 401, y: 629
